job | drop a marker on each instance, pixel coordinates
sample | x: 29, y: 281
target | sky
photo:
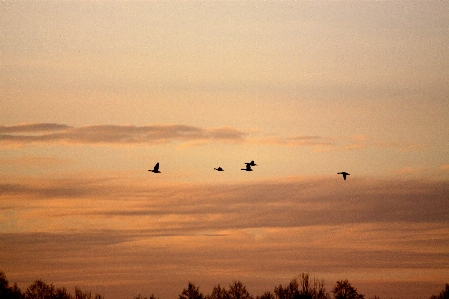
x: 93, y: 94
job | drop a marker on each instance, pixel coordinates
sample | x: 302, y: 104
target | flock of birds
x: 248, y: 168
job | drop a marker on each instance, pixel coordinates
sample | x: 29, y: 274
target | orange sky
x: 93, y: 94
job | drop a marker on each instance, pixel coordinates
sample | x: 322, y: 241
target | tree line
x: 302, y: 287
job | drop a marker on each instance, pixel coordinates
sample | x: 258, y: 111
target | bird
x: 248, y: 167
x: 344, y: 174
x: 155, y: 169
x: 219, y: 169
x: 251, y: 163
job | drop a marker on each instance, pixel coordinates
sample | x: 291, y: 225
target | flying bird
x: 251, y: 163
x: 248, y: 167
x: 155, y: 169
x: 219, y: 169
x: 344, y: 174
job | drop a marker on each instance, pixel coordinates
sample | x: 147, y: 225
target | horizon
x: 94, y: 94
x: 315, y: 286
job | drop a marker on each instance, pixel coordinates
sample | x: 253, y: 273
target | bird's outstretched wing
x: 344, y: 173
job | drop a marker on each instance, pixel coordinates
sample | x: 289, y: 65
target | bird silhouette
x: 155, y: 169
x: 344, y: 174
x: 248, y: 167
x: 219, y: 169
x: 251, y: 163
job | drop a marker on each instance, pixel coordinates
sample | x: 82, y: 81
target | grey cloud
x: 100, y: 237
x: 49, y: 133
x: 112, y: 134
x: 61, y: 189
x: 268, y: 204
x: 33, y: 128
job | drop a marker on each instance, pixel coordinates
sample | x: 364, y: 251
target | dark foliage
x: 192, y: 292
x: 218, y: 293
x: 140, y: 297
x: 238, y: 291
x: 41, y: 290
x: 444, y: 293
x: 266, y: 295
x: 8, y: 292
x: 344, y: 290
x: 301, y: 287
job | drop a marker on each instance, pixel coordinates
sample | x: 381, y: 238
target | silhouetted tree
x: 62, y: 294
x: 266, y: 295
x: 444, y: 293
x: 4, y: 285
x: 311, y: 289
x: 40, y: 290
x: 140, y: 297
x: 79, y: 294
x: 238, y: 291
x: 15, y: 293
x: 302, y: 288
x: 192, y: 292
x: 289, y: 291
x: 82, y: 295
x: 7, y: 292
x: 218, y: 293
x: 344, y: 290
x: 307, y: 290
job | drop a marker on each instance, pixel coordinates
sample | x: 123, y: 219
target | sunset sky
x: 93, y: 94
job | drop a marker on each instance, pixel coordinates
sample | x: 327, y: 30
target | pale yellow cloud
x: 293, y: 141
x: 408, y: 170
x: 34, y: 161
x: 402, y: 147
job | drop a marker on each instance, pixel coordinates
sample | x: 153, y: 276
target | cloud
x: 318, y: 143
x: 408, y: 170
x: 47, y: 133
x: 33, y: 161
x: 296, y: 141
x: 292, y: 203
x: 33, y: 128
x: 400, y: 146
x: 113, y: 134
x: 50, y: 133
x: 83, y: 229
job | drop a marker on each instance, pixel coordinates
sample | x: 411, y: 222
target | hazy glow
x: 93, y: 94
